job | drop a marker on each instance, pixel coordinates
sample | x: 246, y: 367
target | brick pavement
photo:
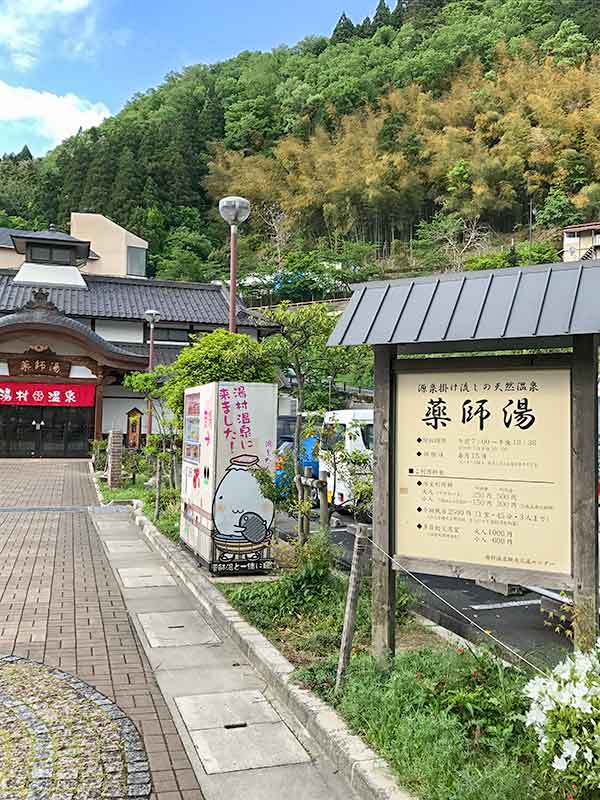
x: 60, y: 604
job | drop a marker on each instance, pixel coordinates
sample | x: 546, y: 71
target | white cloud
x: 51, y: 116
x: 24, y: 24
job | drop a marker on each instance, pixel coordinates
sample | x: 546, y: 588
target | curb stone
x: 368, y: 774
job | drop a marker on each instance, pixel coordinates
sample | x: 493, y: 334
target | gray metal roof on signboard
x: 548, y: 300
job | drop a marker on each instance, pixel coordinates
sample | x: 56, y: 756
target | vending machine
x: 230, y: 431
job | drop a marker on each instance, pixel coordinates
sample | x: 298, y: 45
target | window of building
x: 367, y: 435
x: 175, y: 335
x: 50, y: 254
x: 136, y: 262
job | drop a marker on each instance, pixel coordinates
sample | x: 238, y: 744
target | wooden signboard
x: 134, y: 428
x: 483, y: 474
x: 39, y: 365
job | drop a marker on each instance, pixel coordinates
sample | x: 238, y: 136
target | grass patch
x: 168, y: 522
x: 134, y: 491
x: 450, y: 723
x: 303, y: 612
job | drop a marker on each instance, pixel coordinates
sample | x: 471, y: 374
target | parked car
x: 308, y: 457
x: 353, y: 429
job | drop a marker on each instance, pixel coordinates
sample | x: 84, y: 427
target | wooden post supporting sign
x: 383, y: 592
x: 584, y: 415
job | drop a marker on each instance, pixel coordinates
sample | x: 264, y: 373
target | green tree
x: 382, y: 16
x: 447, y: 242
x: 365, y: 29
x: 300, y: 350
x: 558, y: 211
x: 217, y: 356
x: 186, y: 257
x: 569, y: 45
x: 397, y: 15
x: 344, y: 30
x: 24, y: 154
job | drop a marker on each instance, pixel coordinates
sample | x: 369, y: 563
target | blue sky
x: 71, y: 63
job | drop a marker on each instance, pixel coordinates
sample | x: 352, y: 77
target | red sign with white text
x: 47, y: 394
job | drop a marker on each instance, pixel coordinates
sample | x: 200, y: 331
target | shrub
x: 99, y: 454
x: 216, y: 356
x: 306, y: 587
x: 540, y: 253
x: 565, y: 715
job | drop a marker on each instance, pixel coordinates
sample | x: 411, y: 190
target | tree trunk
x: 296, y: 454
x: 299, y: 426
x: 157, y: 496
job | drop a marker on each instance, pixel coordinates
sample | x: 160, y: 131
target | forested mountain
x: 431, y: 119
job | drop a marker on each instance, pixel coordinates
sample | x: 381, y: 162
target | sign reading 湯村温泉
x: 483, y: 471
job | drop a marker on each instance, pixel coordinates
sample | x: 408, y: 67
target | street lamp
x: 152, y: 316
x: 234, y: 211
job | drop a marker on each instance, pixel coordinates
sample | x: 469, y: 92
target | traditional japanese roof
x: 163, y: 354
x: 7, y: 234
x: 129, y: 298
x: 549, y: 301
x: 581, y: 227
x: 40, y: 315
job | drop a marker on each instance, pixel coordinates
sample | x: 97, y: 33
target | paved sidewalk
x: 238, y: 741
x: 61, y: 604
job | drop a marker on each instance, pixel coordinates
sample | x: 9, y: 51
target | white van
x: 353, y: 427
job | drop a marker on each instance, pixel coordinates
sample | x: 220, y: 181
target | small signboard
x: 47, y: 394
x: 483, y: 473
x: 39, y: 365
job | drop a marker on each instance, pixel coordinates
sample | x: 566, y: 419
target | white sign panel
x: 483, y: 469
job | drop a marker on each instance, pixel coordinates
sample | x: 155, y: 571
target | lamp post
x: 152, y: 317
x: 234, y: 211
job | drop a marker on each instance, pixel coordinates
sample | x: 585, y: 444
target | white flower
x: 559, y: 764
x: 570, y: 749
x: 588, y: 755
x: 535, y: 688
x: 563, y: 670
x: 583, y: 664
x: 536, y: 716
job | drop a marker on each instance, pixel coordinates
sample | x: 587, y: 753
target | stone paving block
x: 269, y: 744
x: 59, y: 596
x: 298, y: 781
x: 221, y: 709
x: 126, y: 547
x: 133, y: 577
x: 176, y: 628
x: 176, y: 682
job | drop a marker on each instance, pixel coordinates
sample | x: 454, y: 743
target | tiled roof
x: 163, y: 354
x: 7, y: 233
x: 31, y: 318
x: 129, y: 298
